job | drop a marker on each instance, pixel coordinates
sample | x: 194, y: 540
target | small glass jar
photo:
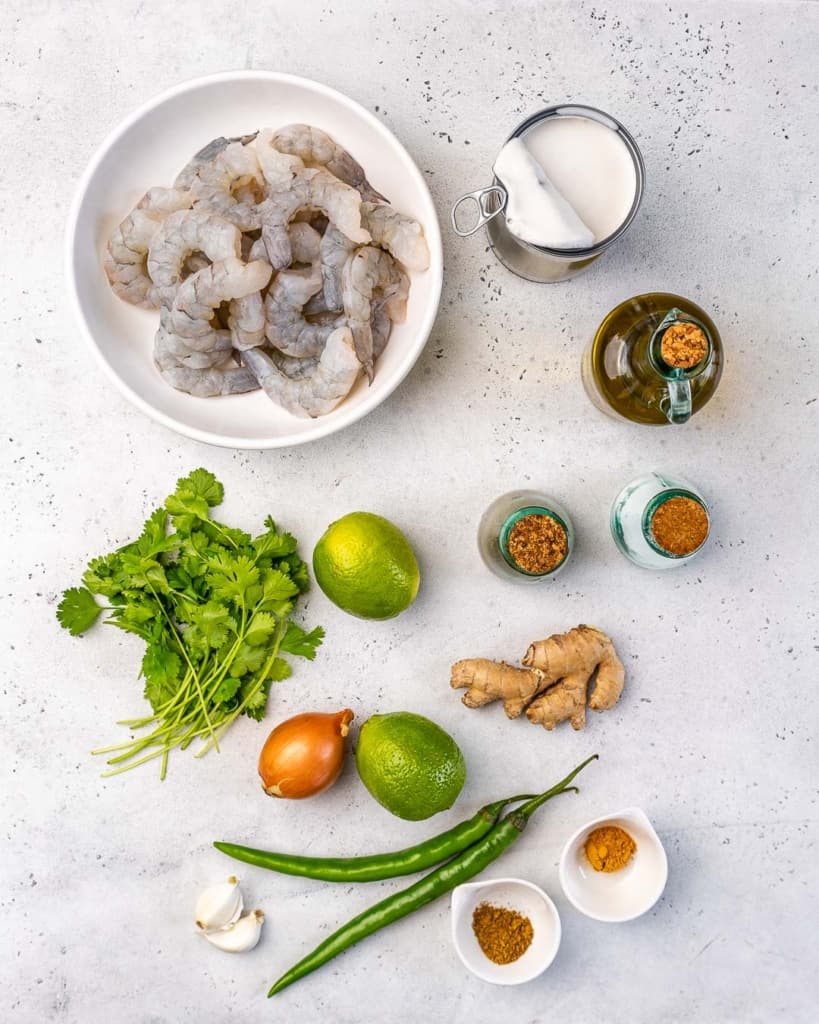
x: 653, y: 533
x: 497, y: 529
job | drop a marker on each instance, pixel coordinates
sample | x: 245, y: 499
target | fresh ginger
x: 554, y: 685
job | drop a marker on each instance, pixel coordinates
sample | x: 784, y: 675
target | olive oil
x: 630, y: 374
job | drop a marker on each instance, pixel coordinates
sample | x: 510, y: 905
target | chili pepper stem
x: 521, y: 815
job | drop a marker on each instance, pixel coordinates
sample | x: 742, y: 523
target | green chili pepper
x: 377, y: 867
x: 438, y: 882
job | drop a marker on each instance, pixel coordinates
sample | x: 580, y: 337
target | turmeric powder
x: 609, y: 848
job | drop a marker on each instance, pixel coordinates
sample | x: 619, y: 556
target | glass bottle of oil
x: 656, y: 359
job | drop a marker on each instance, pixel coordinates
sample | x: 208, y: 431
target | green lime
x: 366, y: 566
x: 409, y: 764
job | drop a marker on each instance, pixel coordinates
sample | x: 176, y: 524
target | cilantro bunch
x: 213, y: 606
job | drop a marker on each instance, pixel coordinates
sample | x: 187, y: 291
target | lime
x: 409, y: 764
x: 366, y: 566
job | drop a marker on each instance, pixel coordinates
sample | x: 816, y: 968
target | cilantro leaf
x: 262, y: 629
x: 213, y: 622
x: 279, y: 670
x: 248, y: 659
x: 161, y: 669
x: 231, y: 576
x: 277, y: 590
x: 78, y: 610
x: 302, y: 644
x: 201, y: 484
x: 257, y: 704
x: 274, y: 545
x: 227, y: 690
x: 104, y: 575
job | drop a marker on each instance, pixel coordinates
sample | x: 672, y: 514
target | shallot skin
x: 304, y: 755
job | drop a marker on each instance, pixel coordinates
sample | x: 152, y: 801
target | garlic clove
x: 219, y: 906
x: 240, y: 937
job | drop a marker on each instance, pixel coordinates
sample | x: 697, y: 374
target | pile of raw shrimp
x: 274, y: 264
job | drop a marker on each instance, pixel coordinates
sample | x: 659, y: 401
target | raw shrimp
x: 182, y: 234
x: 315, y: 148
x: 316, y: 389
x: 305, y: 243
x: 200, y: 295
x: 208, y: 383
x: 402, y: 236
x: 369, y: 271
x: 231, y: 185
x: 207, y: 153
x: 246, y: 320
x: 279, y: 168
x: 287, y: 329
x: 314, y: 189
x: 171, y: 350
x: 125, y: 261
x: 336, y: 249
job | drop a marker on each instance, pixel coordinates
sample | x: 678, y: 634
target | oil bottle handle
x: 481, y: 200
x: 677, y: 405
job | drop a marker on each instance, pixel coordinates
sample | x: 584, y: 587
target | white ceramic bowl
x: 515, y: 894
x: 149, y: 148
x: 618, y: 895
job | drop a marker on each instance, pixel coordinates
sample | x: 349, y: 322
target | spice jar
x: 659, y: 522
x: 525, y: 536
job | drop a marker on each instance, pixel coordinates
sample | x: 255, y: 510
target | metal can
x: 535, y: 262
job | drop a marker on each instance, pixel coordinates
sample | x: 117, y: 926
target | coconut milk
x: 590, y: 166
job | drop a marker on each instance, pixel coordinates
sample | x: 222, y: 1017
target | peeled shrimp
x: 225, y: 380
x: 171, y: 350
x: 369, y: 271
x: 231, y: 185
x: 246, y: 320
x: 315, y: 148
x: 314, y: 189
x: 126, y: 259
x: 336, y: 249
x: 199, y: 296
x: 183, y: 234
x: 402, y: 236
x: 207, y: 153
x: 305, y: 243
x: 287, y: 329
x: 313, y: 390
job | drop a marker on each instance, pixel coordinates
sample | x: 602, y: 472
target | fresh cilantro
x: 78, y: 610
x: 297, y: 641
x: 213, y: 607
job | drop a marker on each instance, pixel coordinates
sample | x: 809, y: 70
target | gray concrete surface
x: 716, y: 733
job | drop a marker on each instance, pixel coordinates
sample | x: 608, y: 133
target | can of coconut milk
x: 592, y: 166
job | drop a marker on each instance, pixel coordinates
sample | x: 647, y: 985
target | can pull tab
x: 494, y: 196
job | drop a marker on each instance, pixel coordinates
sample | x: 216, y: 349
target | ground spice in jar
x: 679, y: 526
x: 609, y: 848
x: 683, y: 346
x: 537, y: 544
x: 504, y: 935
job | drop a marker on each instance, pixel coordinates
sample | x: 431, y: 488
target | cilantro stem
x: 175, y: 633
x: 253, y: 690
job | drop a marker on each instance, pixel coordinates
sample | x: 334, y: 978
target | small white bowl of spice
x: 614, y: 868
x: 506, y: 931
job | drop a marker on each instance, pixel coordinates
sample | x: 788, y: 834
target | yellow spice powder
x: 609, y: 848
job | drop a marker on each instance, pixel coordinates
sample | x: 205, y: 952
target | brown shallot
x: 304, y: 755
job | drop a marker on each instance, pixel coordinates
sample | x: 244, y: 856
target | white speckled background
x: 715, y: 734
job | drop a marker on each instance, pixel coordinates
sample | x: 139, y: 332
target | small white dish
x: 148, y: 148
x: 515, y: 894
x: 618, y: 895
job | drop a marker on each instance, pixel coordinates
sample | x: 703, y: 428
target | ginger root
x: 554, y: 685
